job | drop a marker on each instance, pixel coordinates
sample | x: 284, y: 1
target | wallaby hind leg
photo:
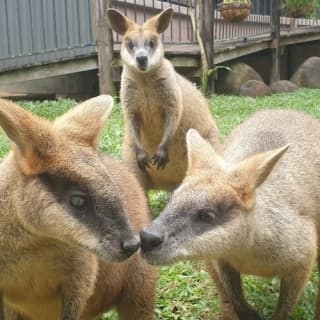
x: 290, y: 291
x: 232, y: 301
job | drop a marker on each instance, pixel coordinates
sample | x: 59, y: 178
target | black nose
x: 129, y: 247
x: 142, y: 60
x: 150, y: 240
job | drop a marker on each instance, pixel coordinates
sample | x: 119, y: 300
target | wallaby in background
x: 253, y: 210
x: 69, y: 218
x: 159, y: 104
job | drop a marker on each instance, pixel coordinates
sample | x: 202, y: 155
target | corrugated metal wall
x: 39, y: 31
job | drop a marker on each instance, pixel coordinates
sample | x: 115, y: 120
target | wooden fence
x: 38, y: 32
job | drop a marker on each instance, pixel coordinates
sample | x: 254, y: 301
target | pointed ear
x: 253, y: 171
x: 200, y: 153
x: 118, y: 22
x: 85, y: 122
x: 33, y: 137
x: 161, y: 21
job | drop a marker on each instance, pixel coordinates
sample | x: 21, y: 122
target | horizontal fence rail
x: 35, y: 32
x: 180, y: 30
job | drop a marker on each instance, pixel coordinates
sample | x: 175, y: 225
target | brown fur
x: 159, y: 106
x: 48, y: 262
x: 253, y: 209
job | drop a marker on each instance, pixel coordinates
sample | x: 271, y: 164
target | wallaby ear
x: 85, y: 122
x: 118, y: 22
x: 161, y: 21
x: 33, y: 137
x: 200, y: 153
x: 253, y: 171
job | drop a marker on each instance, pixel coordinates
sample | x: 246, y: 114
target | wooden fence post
x: 205, y: 24
x: 104, y: 40
x: 275, y: 35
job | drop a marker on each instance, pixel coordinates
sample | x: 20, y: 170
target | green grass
x: 185, y: 291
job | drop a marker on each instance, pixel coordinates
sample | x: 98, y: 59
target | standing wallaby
x: 159, y: 104
x: 68, y: 220
x: 253, y: 210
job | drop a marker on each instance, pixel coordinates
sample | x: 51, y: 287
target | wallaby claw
x: 143, y: 160
x: 160, y: 159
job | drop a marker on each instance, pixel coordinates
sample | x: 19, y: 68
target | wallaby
x: 253, y: 209
x: 159, y: 105
x: 69, y: 218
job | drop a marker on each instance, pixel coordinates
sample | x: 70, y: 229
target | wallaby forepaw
x: 143, y: 160
x: 161, y: 158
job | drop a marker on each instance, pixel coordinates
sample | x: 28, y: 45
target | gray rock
x: 254, y: 89
x: 308, y: 74
x: 231, y: 81
x: 283, y: 86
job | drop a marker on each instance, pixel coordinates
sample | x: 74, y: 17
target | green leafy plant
x: 206, y: 75
x: 301, y: 8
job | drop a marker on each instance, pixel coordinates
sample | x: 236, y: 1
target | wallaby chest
x: 34, y: 281
x: 148, y: 103
x: 147, y: 98
x: 35, y: 277
x: 50, y: 260
x: 150, y: 95
x: 255, y: 264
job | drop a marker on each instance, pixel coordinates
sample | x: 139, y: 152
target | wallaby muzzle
x: 130, y: 246
x: 151, y: 238
x: 142, y: 61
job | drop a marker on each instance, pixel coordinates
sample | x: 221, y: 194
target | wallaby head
x: 141, y: 48
x: 207, y: 214
x: 63, y: 188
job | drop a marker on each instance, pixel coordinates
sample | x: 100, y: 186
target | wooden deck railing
x: 200, y: 21
x: 181, y: 30
x: 48, y: 32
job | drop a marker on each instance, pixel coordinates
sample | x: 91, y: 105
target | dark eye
x: 152, y: 44
x: 207, y: 215
x: 130, y: 45
x: 78, y: 201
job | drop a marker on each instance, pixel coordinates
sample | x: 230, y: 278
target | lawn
x: 185, y: 291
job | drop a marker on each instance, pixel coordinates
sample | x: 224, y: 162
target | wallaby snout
x: 130, y: 246
x: 150, y: 239
x: 142, y: 61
